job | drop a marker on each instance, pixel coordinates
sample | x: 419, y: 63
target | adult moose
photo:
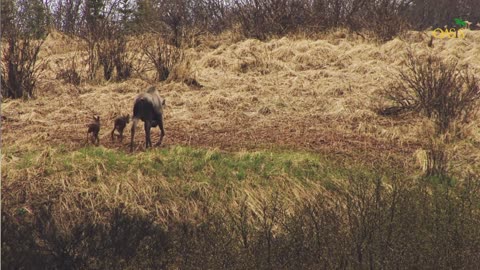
x: 148, y: 107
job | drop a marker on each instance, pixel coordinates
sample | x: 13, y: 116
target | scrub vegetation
x: 299, y: 135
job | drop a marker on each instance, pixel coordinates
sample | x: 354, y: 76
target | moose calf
x: 94, y: 128
x: 120, y: 124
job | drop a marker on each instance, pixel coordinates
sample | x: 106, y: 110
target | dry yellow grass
x: 296, y: 92
x: 314, y: 95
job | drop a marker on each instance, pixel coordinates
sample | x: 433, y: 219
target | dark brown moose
x: 148, y: 107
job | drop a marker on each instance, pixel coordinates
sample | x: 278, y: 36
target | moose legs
x: 134, y: 125
x: 148, y: 141
x: 148, y: 124
x: 162, y: 131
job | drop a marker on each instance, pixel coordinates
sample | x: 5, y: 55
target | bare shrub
x: 163, y: 57
x: 240, y: 222
x: 106, y: 55
x: 213, y: 14
x: 92, y: 57
x: 96, y: 30
x: 261, y: 19
x: 271, y: 213
x: 69, y: 73
x: 20, y: 67
x: 183, y: 72
x: 437, y: 159
x: 175, y: 16
x: 123, y: 64
x: 67, y: 16
x: 426, y: 13
x: 23, y: 31
x: 113, y: 56
x: 442, y: 91
x: 383, y: 19
x: 104, y: 29
x: 180, y: 22
x: 93, y: 20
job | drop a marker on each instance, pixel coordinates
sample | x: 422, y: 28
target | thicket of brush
x: 200, y: 209
x: 442, y: 91
x: 21, y: 43
x: 374, y: 223
x: 96, y: 210
x: 179, y: 20
x: 105, y: 26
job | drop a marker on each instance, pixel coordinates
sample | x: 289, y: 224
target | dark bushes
x: 45, y: 244
x: 180, y: 20
x: 23, y: 32
x: 372, y: 224
x: 442, y: 91
x: 112, y: 54
x: 19, y: 67
x: 163, y: 57
x: 384, y: 19
x: 261, y: 19
x: 69, y: 73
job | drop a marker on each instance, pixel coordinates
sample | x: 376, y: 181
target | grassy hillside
x: 279, y: 161
x: 310, y: 94
x: 166, y: 182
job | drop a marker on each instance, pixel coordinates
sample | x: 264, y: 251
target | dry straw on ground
x: 316, y: 95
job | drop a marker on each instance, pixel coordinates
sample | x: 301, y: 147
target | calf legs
x: 120, y: 132
x: 94, y: 138
x: 121, y: 135
x: 115, y: 127
x: 97, y: 139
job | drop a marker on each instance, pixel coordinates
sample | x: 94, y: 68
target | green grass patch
x: 192, y: 164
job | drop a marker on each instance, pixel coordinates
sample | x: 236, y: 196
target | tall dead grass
x: 99, y: 208
x: 175, y: 208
